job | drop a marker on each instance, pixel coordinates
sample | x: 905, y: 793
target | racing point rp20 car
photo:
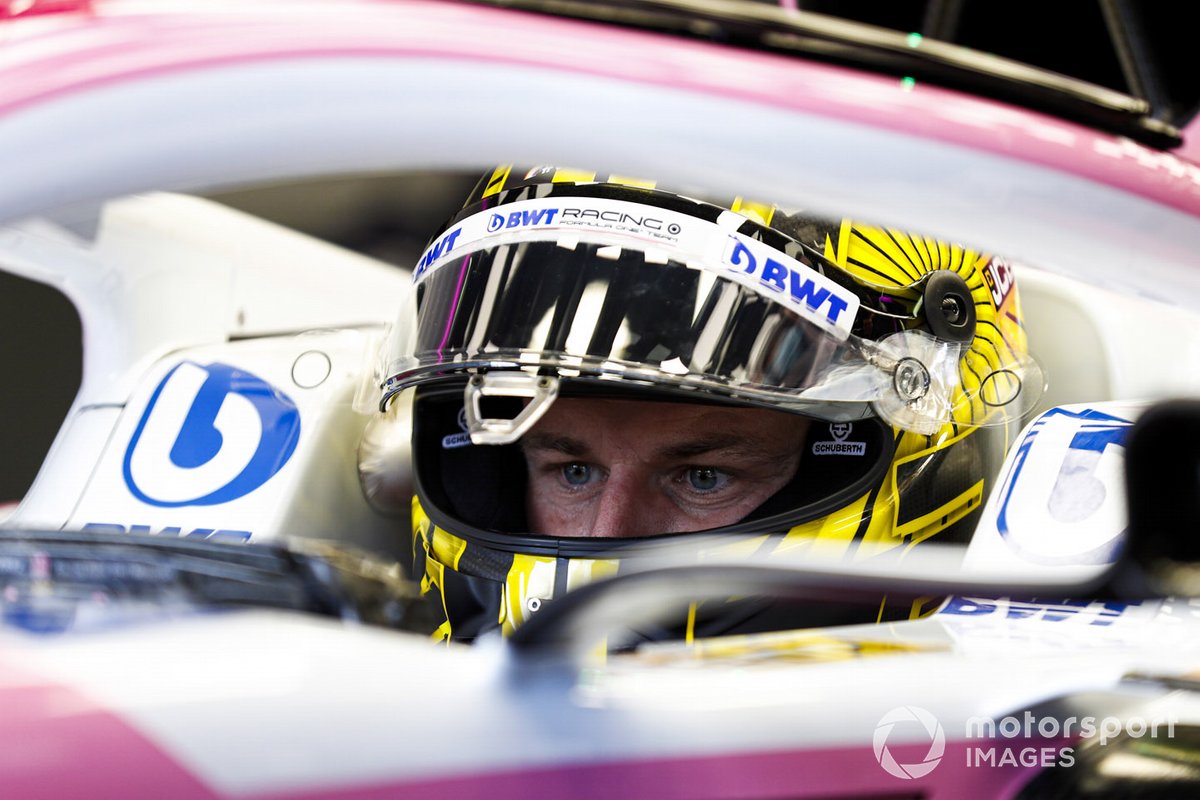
x: 905, y: 509
x: 831, y: 604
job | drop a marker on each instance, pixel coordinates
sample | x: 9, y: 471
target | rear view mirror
x: 1162, y: 470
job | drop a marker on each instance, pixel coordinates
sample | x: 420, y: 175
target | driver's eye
x: 703, y: 479
x: 576, y: 474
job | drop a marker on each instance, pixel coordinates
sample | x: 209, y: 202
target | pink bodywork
x: 103, y: 43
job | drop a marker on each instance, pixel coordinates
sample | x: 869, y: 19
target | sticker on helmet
x: 999, y: 279
x: 786, y: 280
x: 713, y: 246
x: 462, y: 439
x: 840, y: 446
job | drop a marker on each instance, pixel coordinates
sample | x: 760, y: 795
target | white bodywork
x: 163, y: 283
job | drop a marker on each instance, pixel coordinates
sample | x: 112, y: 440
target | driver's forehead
x: 661, y: 428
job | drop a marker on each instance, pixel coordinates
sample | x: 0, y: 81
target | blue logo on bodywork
x: 1063, y: 486
x: 210, y: 434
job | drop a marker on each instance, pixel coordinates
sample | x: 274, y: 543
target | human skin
x: 618, y: 468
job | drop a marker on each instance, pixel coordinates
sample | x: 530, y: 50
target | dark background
x: 1142, y: 49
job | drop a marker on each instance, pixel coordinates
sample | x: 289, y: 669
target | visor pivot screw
x: 533, y: 604
x: 949, y: 310
x: 952, y: 310
x: 911, y: 379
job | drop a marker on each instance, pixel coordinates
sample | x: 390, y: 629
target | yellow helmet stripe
x: 625, y: 180
x: 530, y: 582
x: 563, y: 175
x: 759, y: 212
x: 497, y: 180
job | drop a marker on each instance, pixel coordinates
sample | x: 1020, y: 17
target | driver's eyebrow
x: 732, y: 444
x: 556, y: 442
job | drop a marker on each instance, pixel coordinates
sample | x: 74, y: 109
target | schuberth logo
x: 463, y: 439
x: 839, y: 446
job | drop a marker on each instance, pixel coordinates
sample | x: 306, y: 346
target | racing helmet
x: 906, y: 355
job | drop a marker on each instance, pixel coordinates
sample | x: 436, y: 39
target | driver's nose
x: 631, y: 505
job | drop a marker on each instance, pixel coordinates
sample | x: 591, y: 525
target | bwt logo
x: 435, y: 251
x: 784, y: 280
x: 210, y: 434
x: 521, y: 219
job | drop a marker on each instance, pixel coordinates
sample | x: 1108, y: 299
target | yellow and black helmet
x: 906, y: 353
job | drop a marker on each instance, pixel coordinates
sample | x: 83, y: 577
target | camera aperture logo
x: 1023, y: 740
x: 919, y: 719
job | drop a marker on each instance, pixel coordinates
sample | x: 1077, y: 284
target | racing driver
x: 593, y: 361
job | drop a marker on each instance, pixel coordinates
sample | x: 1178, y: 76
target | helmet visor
x: 715, y: 310
x: 612, y: 289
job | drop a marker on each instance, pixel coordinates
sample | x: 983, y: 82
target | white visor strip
x: 691, y: 240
